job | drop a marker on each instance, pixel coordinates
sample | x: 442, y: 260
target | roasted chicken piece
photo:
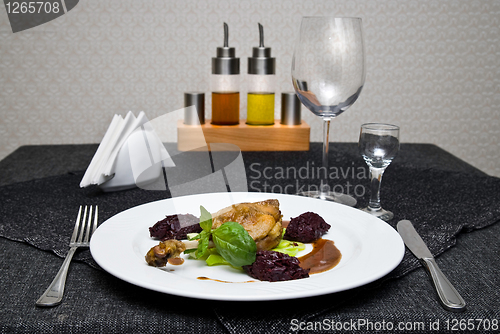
x: 262, y: 220
x: 168, y: 250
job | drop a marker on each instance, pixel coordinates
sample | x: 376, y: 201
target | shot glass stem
x: 375, y: 180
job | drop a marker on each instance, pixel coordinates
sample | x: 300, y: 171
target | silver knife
x: 448, y: 296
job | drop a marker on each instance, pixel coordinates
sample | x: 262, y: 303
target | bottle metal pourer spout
x: 261, y: 61
x: 226, y: 62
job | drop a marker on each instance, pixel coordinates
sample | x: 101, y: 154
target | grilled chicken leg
x: 164, y: 251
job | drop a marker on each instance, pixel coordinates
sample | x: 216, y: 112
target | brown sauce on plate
x: 323, y: 257
x: 176, y: 261
x: 203, y: 278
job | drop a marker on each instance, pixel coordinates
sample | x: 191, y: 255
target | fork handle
x: 54, y: 293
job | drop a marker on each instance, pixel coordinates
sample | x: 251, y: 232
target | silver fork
x: 54, y: 293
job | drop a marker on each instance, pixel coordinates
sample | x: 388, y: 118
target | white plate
x: 370, y: 249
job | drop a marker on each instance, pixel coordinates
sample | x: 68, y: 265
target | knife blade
x: 448, y: 295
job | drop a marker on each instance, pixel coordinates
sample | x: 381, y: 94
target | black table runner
x: 441, y: 204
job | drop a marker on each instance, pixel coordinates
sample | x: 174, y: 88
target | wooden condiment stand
x: 275, y: 137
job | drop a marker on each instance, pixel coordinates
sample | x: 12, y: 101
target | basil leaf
x: 234, y: 244
x: 203, y: 244
x: 205, y: 219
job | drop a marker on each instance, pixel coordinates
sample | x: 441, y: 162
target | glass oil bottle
x: 261, y: 84
x: 225, y: 84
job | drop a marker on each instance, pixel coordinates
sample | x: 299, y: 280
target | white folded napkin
x: 130, y: 154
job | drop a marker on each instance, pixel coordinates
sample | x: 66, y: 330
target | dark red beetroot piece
x: 275, y: 266
x: 175, y: 227
x: 308, y: 227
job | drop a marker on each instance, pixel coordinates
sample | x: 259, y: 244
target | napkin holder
x: 134, y: 166
x: 130, y: 155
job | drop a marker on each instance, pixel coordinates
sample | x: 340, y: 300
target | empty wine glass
x: 328, y: 73
x: 378, y: 144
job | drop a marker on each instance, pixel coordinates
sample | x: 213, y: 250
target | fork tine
x: 77, y: 225
x: 87, y: 232
x: 84, y: 220
x: 95, y: 219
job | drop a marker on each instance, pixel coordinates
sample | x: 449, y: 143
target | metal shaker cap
x: 194, y: 112
x: 290, y: 109
x: 226, y: 61
x: 261, y: 61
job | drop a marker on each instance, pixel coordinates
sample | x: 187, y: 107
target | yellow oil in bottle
x: 260, y: 108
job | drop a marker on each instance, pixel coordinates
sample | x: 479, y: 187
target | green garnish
x: 215, y: 259
x: 232, y: 242
x: 291, y: 248
x: 205, y: 219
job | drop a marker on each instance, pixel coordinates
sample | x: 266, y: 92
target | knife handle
x: 448, y: 296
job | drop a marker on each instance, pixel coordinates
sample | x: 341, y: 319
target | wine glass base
x: 331, y: 196
x: 380, y: 213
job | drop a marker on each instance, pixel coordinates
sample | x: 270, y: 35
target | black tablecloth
x: 442, y: 195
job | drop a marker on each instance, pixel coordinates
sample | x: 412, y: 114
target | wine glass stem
x: 323, y: 188
x: 376, y: 179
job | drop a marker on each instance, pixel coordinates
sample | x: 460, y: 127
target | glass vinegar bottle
x: 225, y: 85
